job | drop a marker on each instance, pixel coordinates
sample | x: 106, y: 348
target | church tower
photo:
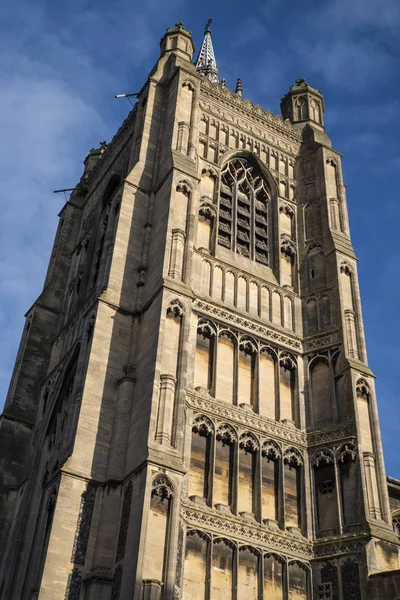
x: 191, y: 414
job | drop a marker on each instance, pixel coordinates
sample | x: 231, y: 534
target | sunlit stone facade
x: 191, y: 414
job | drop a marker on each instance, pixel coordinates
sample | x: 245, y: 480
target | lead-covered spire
x: 205, y: 63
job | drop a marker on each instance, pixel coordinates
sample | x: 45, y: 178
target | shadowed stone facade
x: 191, y: 414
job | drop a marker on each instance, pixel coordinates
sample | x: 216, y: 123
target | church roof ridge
x: 259, y: 111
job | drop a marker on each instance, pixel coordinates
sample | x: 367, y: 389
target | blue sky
x: 62, y: 62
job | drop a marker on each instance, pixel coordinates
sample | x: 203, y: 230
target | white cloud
x: 41, y: 118
x: 60, y: 65
x: 345, y: 62
x: 343, y: 15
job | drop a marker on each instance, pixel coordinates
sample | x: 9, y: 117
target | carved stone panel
x: 351, y: 580
x: 123, y: 528
x: 83, y: 525
x: 329, y: 575
x: 74, y: 583
x: 116, y: 586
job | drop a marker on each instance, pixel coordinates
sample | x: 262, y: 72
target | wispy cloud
x: 62, y: 62
x: 345, y: 62
x: 60, y: 65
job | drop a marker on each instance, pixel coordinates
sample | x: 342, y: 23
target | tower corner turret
x: 304, y: 104
x: 179, y: 41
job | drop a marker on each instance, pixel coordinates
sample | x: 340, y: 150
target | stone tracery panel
x: 125, y: 516
x: 243, y: 216
x: 246, y: 565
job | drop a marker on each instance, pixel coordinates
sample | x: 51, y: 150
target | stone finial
x: 239, y: 87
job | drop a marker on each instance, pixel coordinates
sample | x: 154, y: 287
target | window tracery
x: 293, y: 458
x: 227, y: 435
x: 216, y: 566
x: 236, y: 368
x: 203, y: 426
x: 396, y: 524
x: 271, y: 450
x: 362, y: 389
x: 175, y: 309
x: 249, y: 443
x: 162, y: 488
x: 243, y: 213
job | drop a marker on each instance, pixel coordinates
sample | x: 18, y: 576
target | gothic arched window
x: 243, y: 210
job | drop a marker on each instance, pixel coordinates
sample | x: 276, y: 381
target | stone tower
x: 192, y: 415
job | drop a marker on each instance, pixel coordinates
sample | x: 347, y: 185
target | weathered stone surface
x: 191, y: 410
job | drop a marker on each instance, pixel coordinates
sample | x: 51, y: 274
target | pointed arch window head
x: 243, y: 210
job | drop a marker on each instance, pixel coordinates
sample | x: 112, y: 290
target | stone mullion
x: 256, y: 387
x: 234, y: 216
x: 282, y: 309
x: 313, y: 503
x: 212, y: 469
x: 278, y: 415
x: 333, y: 391
x: 213, y: 360
x: 211, y: 285
x: 253, y: 224
x: 235, y: 479
x: 223, y: 286
x: 318, y: 301
x: 184, y: 350
x: 309, y: 582
x: 281, y: 495
x: 235, y: 572
x: 107, y: 249
x: 339, y: 582
x: 338, y: 496
x: 188, y: 252
x: 306, y: 499
x: 235, y: 290
x: 235, y: 399
x: 300, y: 384
x: 209, y: 568
x: 270, y: 304
x: 286, y: 580
x: 171, y: 551
x: 194, y: 120
x: 257, y: 500
x: 109, y: 242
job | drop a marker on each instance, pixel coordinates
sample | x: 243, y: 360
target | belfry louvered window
x: 243, y: 210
